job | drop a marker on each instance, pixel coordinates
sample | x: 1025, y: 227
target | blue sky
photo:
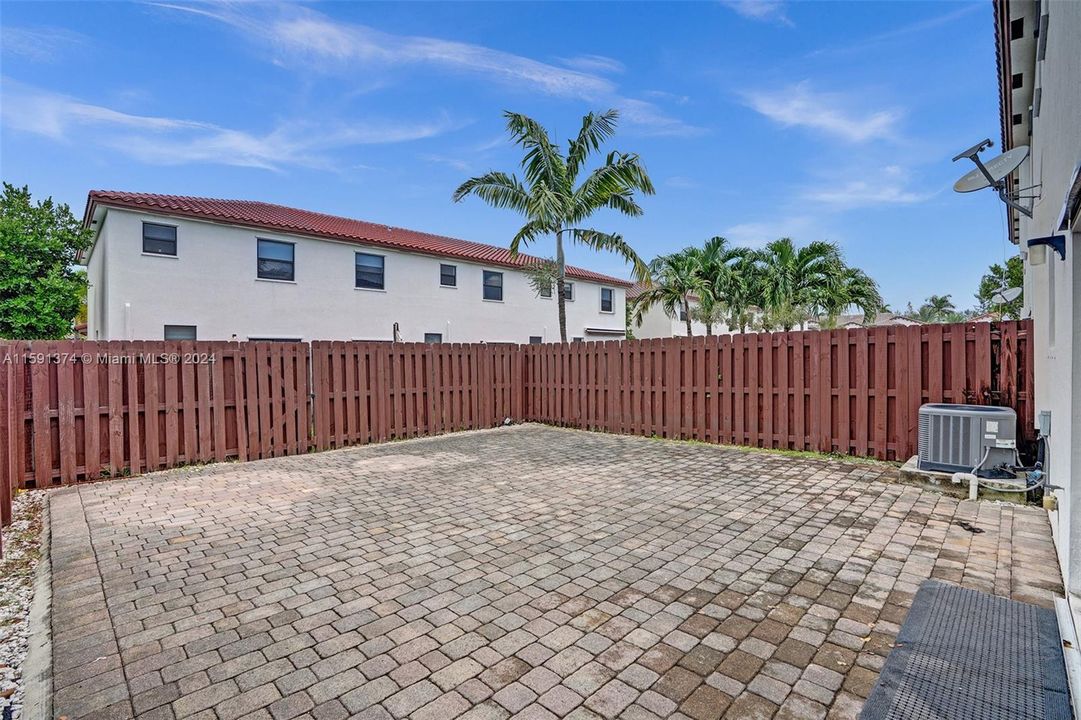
x: 756, y: 120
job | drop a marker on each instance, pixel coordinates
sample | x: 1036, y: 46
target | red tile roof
x: 305, y: 222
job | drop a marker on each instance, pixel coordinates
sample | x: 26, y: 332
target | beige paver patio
x: 526, y: 571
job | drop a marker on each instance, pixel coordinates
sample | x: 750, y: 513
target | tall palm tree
x: 852, y: 288
x: 674, y: 281
x: 555, y: 203
x: 725, y: 280
x: 936, y: 309
x: 795, y: 283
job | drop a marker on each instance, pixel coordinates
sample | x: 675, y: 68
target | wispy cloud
x: 755, y: 234
x: 307, y: 40
x: 593, y: 64
x: 890, y: 186
x: 173, y: 141
x: 774, y: 11
x: 40, y: 44
x: 801, y: 105
x: 920, y: 27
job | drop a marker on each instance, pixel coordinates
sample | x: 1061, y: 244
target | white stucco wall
x: 1053, y: 289
x: 658, y: 324
x: 212, y: 284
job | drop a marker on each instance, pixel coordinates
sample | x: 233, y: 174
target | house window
x: 493, y: 285
x: 683, y: 314
x: 1017, y: 29
x: 433, y: 337
x: 159, y: 239
x: 370, y: 271
x: 545, y: 292
x: 275, y: 260
x: 180, y: 332
x: 568, y: 291
x: 448, y: 275
x: 535, y: 339
x: 578, y: 339
x: 607, y: 300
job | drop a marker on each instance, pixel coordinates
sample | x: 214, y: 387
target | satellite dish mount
x: 993, y: 174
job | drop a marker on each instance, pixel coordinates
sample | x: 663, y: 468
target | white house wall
x: 658, y: 324
x: 212, y: 284
x: 1053, y: 289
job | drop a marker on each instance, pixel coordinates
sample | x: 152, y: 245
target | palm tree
x: 796, y: 282
x: 674, y: 280
x: 552, y: 200
x: 722, y: 283
x: 936, y: 309
x: 852, y: 288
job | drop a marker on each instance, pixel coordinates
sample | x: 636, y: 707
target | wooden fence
x: 76, y: 411
x: 848, y: 391
x: 374, y: 391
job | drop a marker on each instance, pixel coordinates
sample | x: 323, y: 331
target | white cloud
x: 171, y: 141
x: 593, y: 64
x: 763, y: 10
x: 308, y: 40
x: 891, y: 186
x: 802, y: 106
x: 755, y: 234
x: 40, y: 44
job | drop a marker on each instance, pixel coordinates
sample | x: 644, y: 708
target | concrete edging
x: 38, y: 666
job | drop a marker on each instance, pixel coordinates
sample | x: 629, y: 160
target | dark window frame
x: 370, y: 270
x: 545, y: 292
x: 485, y: 285
x: 428, y: 336
x: 443, y: 275
x: 194, y: 333
x: 536, y: 339
x: 174, y: 228
x: 611, y: 300
x: 568, y: 291
x: 259, y: 272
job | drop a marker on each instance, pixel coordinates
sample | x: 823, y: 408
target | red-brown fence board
x: 75, y: 411
x: 97, y: 409
x: 849, y: 391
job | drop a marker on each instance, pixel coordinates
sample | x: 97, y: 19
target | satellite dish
x: 997, y: 169
x: 1006, y: 295
x: 993, y: 174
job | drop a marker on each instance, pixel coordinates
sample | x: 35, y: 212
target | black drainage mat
x: 967, y: 655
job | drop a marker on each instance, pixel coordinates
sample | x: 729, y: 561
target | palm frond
x: 595, y: 130
x: 527, y: 234
x: 543, y: 164
x: 498, y: 189
x: 611, y: 242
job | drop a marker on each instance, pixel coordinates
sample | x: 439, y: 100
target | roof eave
x: 96, y: 207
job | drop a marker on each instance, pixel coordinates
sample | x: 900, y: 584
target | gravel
x: 22, y: 547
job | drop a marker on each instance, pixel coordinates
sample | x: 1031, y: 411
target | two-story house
x: 182, y: 268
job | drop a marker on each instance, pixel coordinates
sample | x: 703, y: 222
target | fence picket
x: 118, y: 410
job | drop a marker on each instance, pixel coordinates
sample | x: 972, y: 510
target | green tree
x: 722, y: 270
x: 936, y: 309
x: 40, y: 287
x: 794, y: 284
x: 553, y: 201
x: 998, y: 278
x: 674, y: 280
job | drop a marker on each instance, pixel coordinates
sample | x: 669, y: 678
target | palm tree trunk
x: 561, y: 284
x: 687, y: 316
x: 709, y: 328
